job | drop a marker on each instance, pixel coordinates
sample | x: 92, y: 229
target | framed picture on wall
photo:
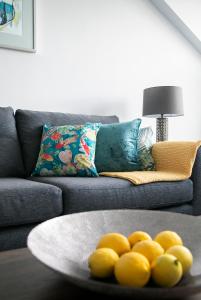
x: 17, y: 25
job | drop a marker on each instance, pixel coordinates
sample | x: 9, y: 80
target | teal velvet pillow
x: 145, y: 143
x: 67, y: 151
x: 116, y: 147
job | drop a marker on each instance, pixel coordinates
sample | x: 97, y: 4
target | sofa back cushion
x: 11, y: 164
x: 30, y: 125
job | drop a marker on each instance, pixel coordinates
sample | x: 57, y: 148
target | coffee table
x: 22, y: 277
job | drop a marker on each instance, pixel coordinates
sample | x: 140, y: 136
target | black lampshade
x: 163, y: 100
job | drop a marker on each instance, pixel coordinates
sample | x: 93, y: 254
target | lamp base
x: 161, y: 129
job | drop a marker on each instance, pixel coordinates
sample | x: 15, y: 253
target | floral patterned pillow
x: 145, y: 143
x: 67, y: 150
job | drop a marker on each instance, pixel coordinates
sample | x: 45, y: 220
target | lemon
x: 132, y: 269
x: 168, y: 239
x: 150, y: 249
x: 116, y: 241
x: 138, y: 236
x: 102, y: 261
x: 184, y: 255
x: 166, y: 270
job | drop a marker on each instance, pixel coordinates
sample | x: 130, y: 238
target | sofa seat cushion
x: 30, y: 125
x: 25, y: 202
x: 182, y: 209
x: 84, y: 194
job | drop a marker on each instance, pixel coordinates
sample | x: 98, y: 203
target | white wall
x: 97, y: 56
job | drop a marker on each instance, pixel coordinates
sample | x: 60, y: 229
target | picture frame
x: 17, y: 25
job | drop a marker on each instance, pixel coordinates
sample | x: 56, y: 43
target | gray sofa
x: 26, y: 201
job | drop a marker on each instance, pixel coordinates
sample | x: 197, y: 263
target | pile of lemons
x: 136, y: 259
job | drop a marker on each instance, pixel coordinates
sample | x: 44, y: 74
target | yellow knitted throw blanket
x: 173, y: 162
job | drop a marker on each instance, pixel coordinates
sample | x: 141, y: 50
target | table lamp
x: 161, y: 102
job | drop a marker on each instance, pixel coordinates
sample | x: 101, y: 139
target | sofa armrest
x: 196, y: 178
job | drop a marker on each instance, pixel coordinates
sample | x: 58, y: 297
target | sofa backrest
x: 11, y: 164
x: 30, y: 125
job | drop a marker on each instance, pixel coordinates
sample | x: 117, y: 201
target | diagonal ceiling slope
x: 180, y: 18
